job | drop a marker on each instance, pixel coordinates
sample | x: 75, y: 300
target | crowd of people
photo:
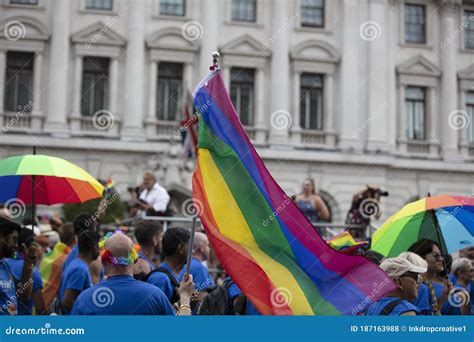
x: 80, y: 271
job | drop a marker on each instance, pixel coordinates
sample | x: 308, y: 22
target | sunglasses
x: 437, y: 256
x: 415, y: 276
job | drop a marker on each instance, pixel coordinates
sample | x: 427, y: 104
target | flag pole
x: 191, y: 242
x: 215, y: 65
x: 33, y: 185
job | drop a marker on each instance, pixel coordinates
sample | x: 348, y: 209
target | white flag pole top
x: 215, y: 60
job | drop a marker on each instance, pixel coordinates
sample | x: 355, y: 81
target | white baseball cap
x: 396, y: 267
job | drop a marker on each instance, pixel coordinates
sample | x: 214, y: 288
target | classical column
x: 209, y: 41
x: 402, y: 119
x: 295, y: 126
x: 76, y: 95
x: 36, y: 112
x: 3, y: 67
x: 151, y: 115
x: 377, y: 115
x: 433, y: 121
x: 449, y: 24
x: 134, y: 72
x: 350, y: 81
x: 114, y: 79
x: 226, y: 75
x: 56, y: 121
x: 280, y: 116
x: 260, y: 127
x: 328, y: 111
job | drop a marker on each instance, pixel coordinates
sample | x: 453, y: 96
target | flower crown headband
x: 107, y: 256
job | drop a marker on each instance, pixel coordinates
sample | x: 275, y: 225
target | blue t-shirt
x: 16, y: 267
x: 8, y: 301
x: 122, y: 295
x: 424, y: 301
x: 201, y: 277
x: 75, y: 277
x: 162, y: 281
x: 376, y: 308
x: 73, y: 253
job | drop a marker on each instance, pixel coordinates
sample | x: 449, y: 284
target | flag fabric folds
x: 262, y: 240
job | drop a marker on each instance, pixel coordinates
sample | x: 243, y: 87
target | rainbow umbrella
x: 40, y: 179
x: 448, y: 220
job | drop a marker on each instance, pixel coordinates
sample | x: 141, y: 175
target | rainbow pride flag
x: 345, y: 243
x: 265, y: 244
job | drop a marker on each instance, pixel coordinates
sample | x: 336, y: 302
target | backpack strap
x: 389, y: 307
x: 175, y: 297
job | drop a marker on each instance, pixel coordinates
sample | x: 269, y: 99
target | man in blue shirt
x: 175, y: 250
x: 201, y: 277
x: 81, y: 222
x: 120, y: 293
x: 76, y: 277
x: 26, y: 238
x: 149, y: 235
x: 397, y: 302
x: 8, y: 245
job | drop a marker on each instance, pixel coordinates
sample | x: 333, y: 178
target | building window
x: 242, y: 87
x: 244, y: 10
x: 470, y: 113
x: 24, y: 2
x: 172, y: 7
x: 469, y: 30
x: 415, y: 24
x: 311, y: 102
x: 101, y: 5
x: 415, y: 112
x: 19, y: 81
x: 170, y: 91
x: 95, y: 85
x: 312, y: 13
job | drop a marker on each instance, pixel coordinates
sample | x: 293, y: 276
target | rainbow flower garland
x: 107, y: 256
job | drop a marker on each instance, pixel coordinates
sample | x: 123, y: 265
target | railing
x: 311, y: 137
x: 418, y: 147
x: 329, y: 230
x: 16, y: 121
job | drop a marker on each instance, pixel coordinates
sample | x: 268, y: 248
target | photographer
x: 365, y: 205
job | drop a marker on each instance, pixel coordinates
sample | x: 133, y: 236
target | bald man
x: 202, y: 279
x: 121, y: 294
x: 154, y: 198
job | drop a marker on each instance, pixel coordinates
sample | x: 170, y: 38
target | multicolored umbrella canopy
x: 449, y: 220
x: 56, y: 181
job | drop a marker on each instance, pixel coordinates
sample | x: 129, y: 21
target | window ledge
x: 25, y: 6
x: 171, y: 17
x: 84, y: 126
x: 464, y: 50
x: 99, y: 12
x: 416, y: 46
x: 419, y: 148
x: 307, y: 138
x: 244, y: 24
x: 310, y: 29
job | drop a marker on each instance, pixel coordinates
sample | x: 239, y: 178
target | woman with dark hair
x: 434, y: 290
x: 311, y: 204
